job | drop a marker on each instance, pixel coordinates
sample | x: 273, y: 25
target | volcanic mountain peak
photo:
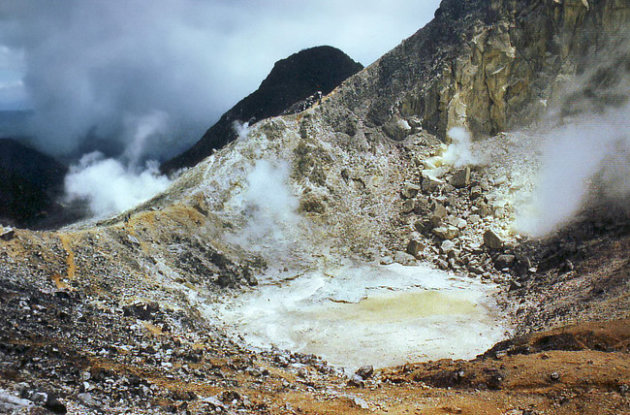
x: 291, y: 80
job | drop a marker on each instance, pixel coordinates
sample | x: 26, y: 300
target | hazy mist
x: 90, y: 68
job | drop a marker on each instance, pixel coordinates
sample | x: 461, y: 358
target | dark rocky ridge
x: 30, y: 184
x: 292, y: 79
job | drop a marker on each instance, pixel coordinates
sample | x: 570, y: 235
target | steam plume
x: 583, y: 162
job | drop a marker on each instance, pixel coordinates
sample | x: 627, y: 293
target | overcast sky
x: 105, y: 64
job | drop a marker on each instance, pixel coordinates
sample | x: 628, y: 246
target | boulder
x: 492, y: 240
x: 404, y: 258
x: 422, y: 206
x: 415, y: 245
x: 6, y: 234
x: 365, y: 372
x: 459, y: 223
x: 461, y: 178
x: 386, y: 260
x: 408, y: 206
x: 446, y: 232
x: 143, y: 311
x: 439, y: 210
x: 504, y: 261
x: 475, y: 192
x: 429, y: 181
x: 397, y: 129
x: 410, y: 191
x: 447, y: 246
x: 474, y: 218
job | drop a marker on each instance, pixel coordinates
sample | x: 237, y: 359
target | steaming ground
x: 359, y: 314
x: 312, y: 299
x: 353, y: 313
x: 582, y: 163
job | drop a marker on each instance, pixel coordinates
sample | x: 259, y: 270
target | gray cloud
x: 99, y: 65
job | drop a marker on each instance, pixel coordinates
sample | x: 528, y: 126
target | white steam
x: 111, y: 186
x: 459, y: 152
x: 269, y: 207
x: 587, y: 161
x: 143, y: 129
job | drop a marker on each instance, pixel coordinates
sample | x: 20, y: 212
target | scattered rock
x: 504, y: 261
x: 230, y: 396
x: 397, y: 129
x: 459, y: 223
x: 554, y: 376
x: 447, y: 246
x: 133, y: 240
x: 39, y: 398
x: 567, y: 266
x: 408, y: 206
x: 143, y: 311
x: 87, y: 399
x: 475, y: 192
x: 386, y: 260
x: 9, y: 403
x: 54, y: 404
x: 422, y: 206
x: 429, y: 181
x: 356, y: 382
x: 6, y: 234
x: 415, y: 245
x: 439, y: 210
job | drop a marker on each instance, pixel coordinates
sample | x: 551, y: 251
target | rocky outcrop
x: 293, y: 79
x: 493, y: 65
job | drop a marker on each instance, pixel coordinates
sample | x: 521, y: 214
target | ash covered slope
x: 292, y: 79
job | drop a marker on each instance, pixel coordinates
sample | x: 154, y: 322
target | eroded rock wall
x: 495, y: 65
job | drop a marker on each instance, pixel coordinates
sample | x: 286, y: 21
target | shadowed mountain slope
x: 30, y: 182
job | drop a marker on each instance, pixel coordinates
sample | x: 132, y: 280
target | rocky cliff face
x: 495, y: 65
x: 291, y: 80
